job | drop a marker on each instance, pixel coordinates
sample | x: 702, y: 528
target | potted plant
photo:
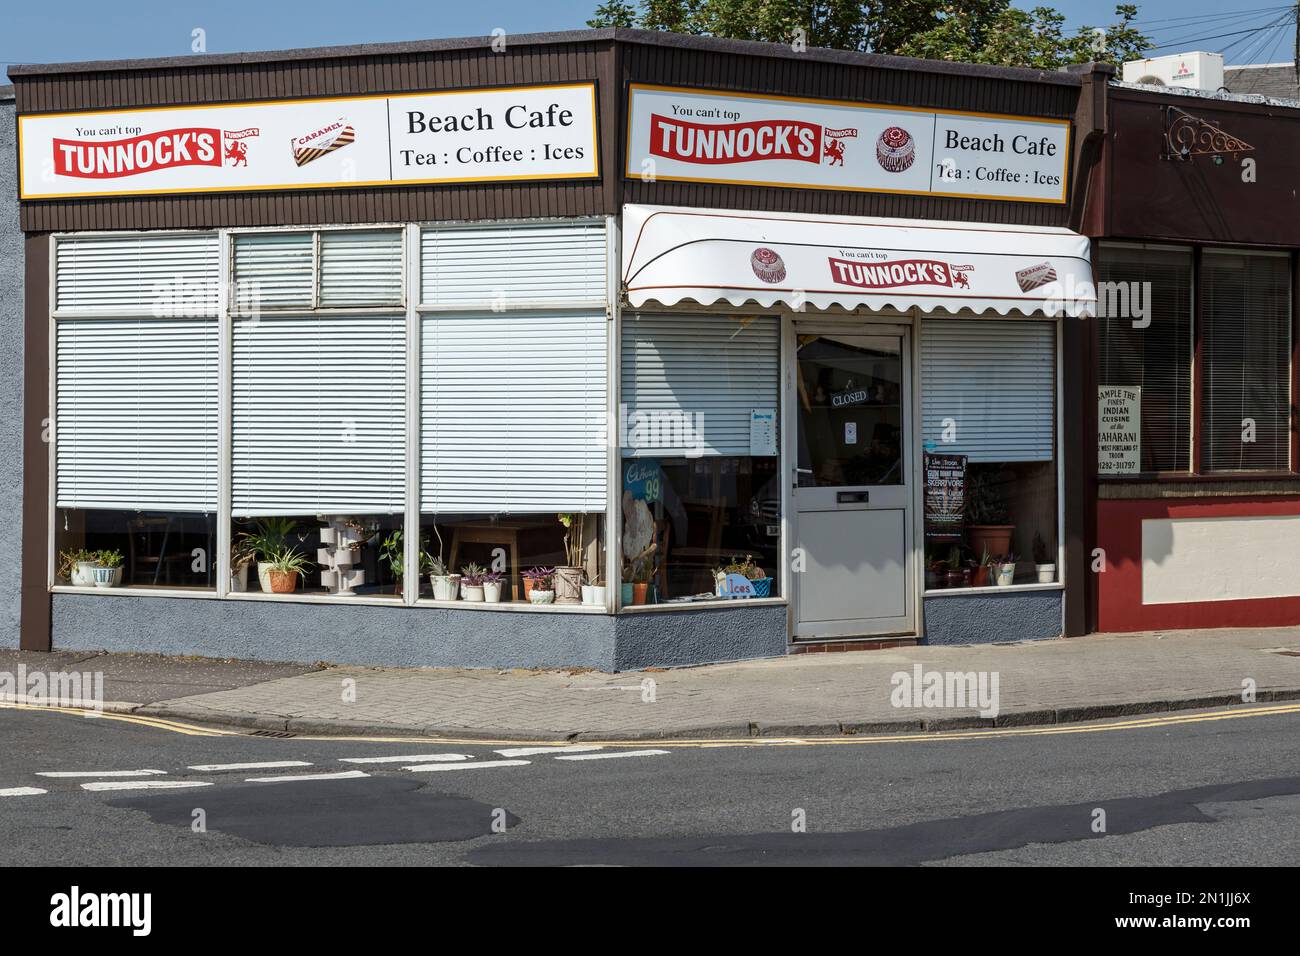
x: 112, y: 561
x: 936, y: 576
x: 568, y: 577
x: 492, y: 586
x: 595, y: 593
x: 78, y: 567
x: 269, y: 537
x: 539, y: 585
x: 987, y: 521
x: 1004, y: 569
x: 446, y: 586
x: 747, y: 569
x: 283, y: 570
x: 982, y: 570
x: 1044, y: 566
x: 471, y: 583
x: 393, y: 553
x: 242, y: 556
x: 955, y: 576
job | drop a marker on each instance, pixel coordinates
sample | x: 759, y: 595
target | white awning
x: 672, y: 254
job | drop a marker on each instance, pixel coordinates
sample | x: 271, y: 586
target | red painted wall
x: 1119, y: 587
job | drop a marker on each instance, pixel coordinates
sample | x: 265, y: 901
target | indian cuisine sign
x: 710, y: 136
x: 1119, y: 430
x: 534, y: 133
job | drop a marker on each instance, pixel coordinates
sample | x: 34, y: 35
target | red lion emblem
x: 237, y: 152
x: 960, y: 279
x: 835, y: 152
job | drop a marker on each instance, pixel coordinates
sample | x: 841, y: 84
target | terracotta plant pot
x: 993, y: 538
x: 283, y: 582
x: 980, y: 577
x: 639, y: 590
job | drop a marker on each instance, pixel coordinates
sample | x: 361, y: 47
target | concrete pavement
x: 1043, y: 682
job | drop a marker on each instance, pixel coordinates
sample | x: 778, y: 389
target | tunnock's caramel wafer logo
x: 317, y: 143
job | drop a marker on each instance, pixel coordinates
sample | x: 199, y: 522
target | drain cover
x: 271, y: 733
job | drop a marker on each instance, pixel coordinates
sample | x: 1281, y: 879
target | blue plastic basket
x: 762, y: 587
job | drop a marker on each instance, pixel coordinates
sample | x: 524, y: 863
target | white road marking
x: 413, y: 758
x: 289, y: 777
x: 624, y: 753
x: 264, y: 765
x: 144, y: 784
x: 532, y: 751
x: 22, y: 792
x: 473, y: 765
x: 101, y: 773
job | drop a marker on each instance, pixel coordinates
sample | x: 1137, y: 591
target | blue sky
x: 40, y: 32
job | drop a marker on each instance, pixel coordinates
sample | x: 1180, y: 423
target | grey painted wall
x: 11, y: 378
x: 412, y: 637
x: 988, y: 617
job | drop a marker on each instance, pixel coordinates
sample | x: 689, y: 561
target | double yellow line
x: 1137, y: 723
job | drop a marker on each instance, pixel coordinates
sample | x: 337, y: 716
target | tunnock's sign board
x: 537, y: 133
x: 709, y: 136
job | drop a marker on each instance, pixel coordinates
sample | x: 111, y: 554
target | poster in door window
x: 945, y: 496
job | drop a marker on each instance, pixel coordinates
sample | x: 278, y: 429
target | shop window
x: 513, y: 413
x: 338, y: 554
x: 698, y: 430
x: 135, y: 431
x: 114, y: 548
x: 521, y: 558
x: 1246, y: 351
x: 1144, y: 341
x: 988, y: 394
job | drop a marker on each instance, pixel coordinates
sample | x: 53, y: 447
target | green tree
x: 973, y: 31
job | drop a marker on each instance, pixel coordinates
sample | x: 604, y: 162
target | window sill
x: 720, y: 604
x: 523, y: 607
x: 300, y: 598
x: 994, y: 589
x: 159, y: 592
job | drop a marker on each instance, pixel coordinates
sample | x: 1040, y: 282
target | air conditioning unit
x: 1193, y: 71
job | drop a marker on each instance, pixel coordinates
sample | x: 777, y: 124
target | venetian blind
x: 1144, y: 336
x: 990, y: 387
x: 1246, y: 355
x: 691, y: 382
x: 136, y: 372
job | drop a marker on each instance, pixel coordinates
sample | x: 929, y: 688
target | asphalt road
x: 1177, y: 790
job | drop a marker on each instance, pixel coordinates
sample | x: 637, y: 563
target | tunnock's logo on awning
x: 903, y: 272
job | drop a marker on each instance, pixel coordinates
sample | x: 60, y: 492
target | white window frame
x: 417, y: 310
x: 413, y: 310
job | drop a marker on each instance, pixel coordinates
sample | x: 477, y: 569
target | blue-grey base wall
x: 704, y: 636
x: 413, y: 637
x: 989, y: 616
x: 11, y: 379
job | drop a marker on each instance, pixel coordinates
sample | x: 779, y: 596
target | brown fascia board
x: 607, y: 35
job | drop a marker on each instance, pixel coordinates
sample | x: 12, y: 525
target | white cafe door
x: 852, y: 503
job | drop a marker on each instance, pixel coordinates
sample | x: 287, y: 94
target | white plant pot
x: 1004, y: 574
x: 541, y: 597
x: 264, y: 576
x: 472, y: 593
x: 599, y: 594
x: 239, y: 580
x: 492, y: 592
x: 107, y: 577
x: 1046, y: 573
x: 586, y: 594
x: 83, y: 574
x: 445, y: 586
x: 328, y: 535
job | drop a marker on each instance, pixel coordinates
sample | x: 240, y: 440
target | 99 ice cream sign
x: 515, y: 133
x: 709, y: 136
